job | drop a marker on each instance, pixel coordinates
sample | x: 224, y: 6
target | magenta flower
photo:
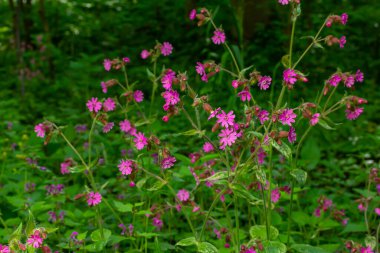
x: 244, y: 95
x: 227, y: 138
x: 108, y: 127
x: 171, y: 97
x: 292, y: 136
x: 40, y: 130
x: 126, y: 167
x: 35, y: 240
x: 261, y: 156
x: 226, y: 119
x: 166, y: 49
x: 263, y: 116
x: 214, y: 113
x: 359, y: 76
x: 109, y: 105
x: 140, y: 141
x: 126, y: 60
x: 125, y: 126
x: 104, y: 87
x: 287, y: 117
x: 138, y: 96
x: 107, y: 63
x: 94, y: 198
x: 144, y: 54
x: 4, y: 249
x: 342, y: 41
x: 208, y: 147
x: 314, y: 119
x: 290, y: 76
x: 352, y: 114
x: 350, y: 81
x: 317, y: 212
x: 377, y: 211
x: 219, y: 37
x: 265, y: 82
x: 366, y: 250
x: 167, y: 79
x: 275, y: 195
x: 235, y: 83
x: 192, y: 14
x: 183, y: 195
x: 200, y: 69
x: 94, y: 105
x: 65, y: 167
x: 344, y: 18
x: 157, y: 223
x: 334, y: 80
x: 168, y: 162
x: 283, y: 2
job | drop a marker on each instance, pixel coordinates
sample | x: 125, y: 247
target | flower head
x: 219, y: 37
x: 334, y: 80
x: 287, y: 117
x: 144, y: 54
x: 140, y: 141
x: 214, y: 113
x: 227, y: 137
x: 359, y: 76
x: 107, y: 63
x: 138, y: 96
x: 126, y: 167
x: 94, y: 198
x: 208, y: 147
x: 94, y: 105
x: 157, y: 223
x: 107, y: 127
x: 171, y: 97
x: 314, y: 119
x: 263, y: 116
x: 354, y: 113
x: 104, y: 87
x: 265, y: 82
x: 40, y: 130
x: 245, y: 95
x: 226, y: 119
x: 35, y: 239
x: 283, y: 2
x: 125, y: 126
x: 166, y: 49
x: 168, y: 162
x: 349, y: 81
x: 275, y: 195
x: 109, y: 105
x: 183, y: 195
x: 290, y: 76
x: 192, y: 14
x: 344, y: 18
x: 200, y: 69
x: 4, y: 249
x: 292, y: 136
x: 342, y: 41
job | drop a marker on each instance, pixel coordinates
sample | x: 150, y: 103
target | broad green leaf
x: 123, y: 208
x: 260, y: 232
x: 354, y: 227
x: 77, y: 169
x: 30, y: 225
x: 284, y: 149
x: 217, y: 176
x: 261, y: 176
x: 82, y: 236
x: 325, y: 125
x: 141, y: 182
x: 274, y: 247
x: 148, y: 235
x: 205, y: 247
x: 187, y: 242
x: 51, y: 230
x: 96, y: 235
x: 157, y: 185
x: 96, y: 247
x: 370, y: 241
x: 242, y: 192
x: 299, y: 175
x: 305, y: 248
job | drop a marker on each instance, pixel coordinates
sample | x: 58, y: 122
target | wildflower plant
x: 237, y: 161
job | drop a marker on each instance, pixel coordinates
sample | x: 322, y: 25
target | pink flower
x: 171, y: 97
x: 314, y: 119
x: 40, y: 130
x: 208, y: 147
x: 292, y: 136
x: 290, y: 76
x: 94, y: 198
x: 167, y: 79
x: 192, y: 14
x: 226, y: 119
x: 140, y: 141
x: 104, y: 87
x: 227, y: 138
x: 263, y: 116
x: 359, y: 76
x: 126, y: 60
x: 108, y: 127
x: 213, y: 113
x: 265, y: 82
x: 168, y: 162
x: 200, y: 69
x: 287, y: 117
x: 366, y: 250
x: 126, y: 166
x: 344, y: 18
x: 65, y: 167
x: 166, y: 49
x: 283, y: 2
x: 377, y: 211
x: 109, y: 105
x: 317, y: 212
x: 352, y: 114
x: 219, y: 37
x: 235, y: 83
x: 275, y: 195
x: 107, y: 63
x: 342, y: 41
x: 144, y: 54
x: 138, y: 96
x: 125, y: 126
x: 94, y: 105
x: 35, y: 240
x: 245, y: 95
x: 183, y: 195
x: 362, y: 207
x: 157, y: 223
x: 261, y: 156
x: 334, y: 80
x: 4, y: 249
x: 350, y: 81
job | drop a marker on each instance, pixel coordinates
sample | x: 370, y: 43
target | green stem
x: 98, y: 217
x: 265, y: 211
x: 233, y: 57
x: 329, y: 98
x: 90, y: 140
x: 300, y: 142
x: 237, y: 225
x: 290, y: 210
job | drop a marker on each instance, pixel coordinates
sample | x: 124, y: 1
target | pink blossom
x: 265, y: 82
x: 287, y: 117
x: 208, y: 147
x: 344, y: 18
x: 144, y: 54
x: 290, y: 76
x: 219, y: 37
x: 217, y: 233
x: 226, y: 119
x: 292, y: 136
x: 359, y: 76
x: 167, y: 79
x: 192, y: 14
x: 235, y: 83
x: 107, y: 63
x: 263, y: 116
x: 366, y: 250
x: 108, y: 127
x: 334, y: 80
x: 138, y: 96
x: 109, y: 105
x: 125, y: 126
x: 314, y: 119
x: 245, y: 95
x: 4, y: 249
x: 317, y: 212
x: 362, y: 207
x: 261, y: 156
x: 377, y: 211
x: 350, y: 81
x: 94, y: 105
x: 168, y: 162
x: 214, y: 113
x: 166, y: 49
x: 104, y: 87
x: 200, y: 69
x: 35, y: 240
x: 283, y: 2
x: 183, y: 195
x: 40, y: 130
x: 94, y: 198
x: 342, y: 41
x: 140, y: 141
x: 227, y: 138
x: 65, y: 167
x: 275, y: 195
x: 126, y: 167
x: 171, y: 97
x: 126, y: 60
x: 352, y: 114
x: 157, y: 223
x: 196, y: 209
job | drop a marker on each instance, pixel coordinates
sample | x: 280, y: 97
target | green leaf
x: 96, y: 236
x: 141, y: 182
x: 50, y: 230
x: 274, y: 247
x: 187, y: 242
x: 354, y: 227
x: 77, y: 169
x: 15, y: 237
x: 205, y: 247
x: 261, y: 176
x: 305, y: 248
x: 299, y: 175
x: 260, y: 232
x: 157, y: 185
x: 30, y: 225
x: 242, y: 192
x: 148, y: 235
x: 82, y: 236
x: 370, y: 241
x: 217, y: 176
x: 325, y: 125
x: 284, y: 149
x: 123, y: 208
x: 285, y: 61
